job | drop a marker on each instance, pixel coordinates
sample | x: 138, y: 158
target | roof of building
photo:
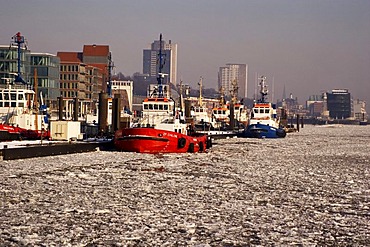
x: 96, y: 50
x: 103, y: 67
x: 74, y: 57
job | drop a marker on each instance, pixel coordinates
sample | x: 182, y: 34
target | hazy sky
x: 310, y: 46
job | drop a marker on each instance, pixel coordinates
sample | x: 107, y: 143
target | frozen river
x: 311, y: 188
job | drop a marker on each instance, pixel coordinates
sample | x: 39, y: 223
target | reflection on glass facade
x: 9, y: 64
x: 47, y: 71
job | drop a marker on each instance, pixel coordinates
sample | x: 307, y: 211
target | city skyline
x: 308, y: 47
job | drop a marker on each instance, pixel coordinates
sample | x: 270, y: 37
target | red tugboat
x: 159, y: 140
x: 160, y: 129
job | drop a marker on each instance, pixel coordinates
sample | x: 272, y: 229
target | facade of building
x: 339, y: 104
x: 231, y: 72
x: 315, y: 105
x: 47, y: 75
x: 125, y: 89
x: 72, y: 75
x: 100, y: 57
x: 150, y: 61
x: 84, y: 75
x: 359, y: 110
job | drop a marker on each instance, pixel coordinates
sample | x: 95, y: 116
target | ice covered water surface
x: 310, y: 188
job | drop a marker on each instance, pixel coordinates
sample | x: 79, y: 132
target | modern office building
x: 46, y: 67
x: 231, y: 72
x: 339, y: 104
x: 151, y: 63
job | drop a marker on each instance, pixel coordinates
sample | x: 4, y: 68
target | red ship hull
x: 149, y: 140
x: 9, y: 132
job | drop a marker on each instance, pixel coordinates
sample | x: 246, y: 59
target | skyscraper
x: 231, y: 72
x: 339, y: 103
x: 150, y: 61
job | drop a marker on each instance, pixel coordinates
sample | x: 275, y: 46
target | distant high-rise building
x: 231, y: 72
x: 151, y: 63
x: 339, y: 104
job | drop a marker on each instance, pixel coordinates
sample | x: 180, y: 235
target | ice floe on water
x: 310, y: 188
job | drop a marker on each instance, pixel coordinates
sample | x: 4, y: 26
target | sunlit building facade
x: 233, y: 72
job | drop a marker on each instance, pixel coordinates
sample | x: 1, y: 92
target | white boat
x: 20, y: 114
x: 263, y: 121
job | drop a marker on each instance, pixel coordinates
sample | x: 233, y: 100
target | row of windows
x: 160, y: 107
x: 221, y: 112
x: 45, y: 61
x: 69, y: 85
x: 261, y: 110
x: 11, y: 96
x: 11, y: 104
x: 9, y: 66
x: 69, y: 68
x: 10, y: 54
x: 69, y: 94
x: 69, y: 77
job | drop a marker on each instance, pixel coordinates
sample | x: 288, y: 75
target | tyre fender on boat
x: 191, y: 148
x: 201, y: 146
x: 281, y: 133
x: 181, y: 142
x: 209, y: 142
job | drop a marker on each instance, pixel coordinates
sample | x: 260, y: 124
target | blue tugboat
x: 263, y: 122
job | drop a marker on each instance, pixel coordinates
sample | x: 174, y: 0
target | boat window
x: 20, y: 97
x: 150, y: 106
x: 6, y: 96
x: 1, y: 104
x: 13, y: 104
x: 155, y: 107
x: 6, y: 104
x: 145, y: 106
x: 267, y: 110
x: 1, y: 96
x: 160, y: 107
x: 20, y: 104
x: 255, y: 110
x: 13, y: 96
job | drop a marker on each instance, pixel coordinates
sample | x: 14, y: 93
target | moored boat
x: 263, y: 121
x: 162, y: 128
x: 20, y: 118
x: 20, y: 115
x: 151, y: 140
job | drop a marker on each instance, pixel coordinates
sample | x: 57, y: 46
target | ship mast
x: 263, y: 90
x: 234, y: 91
x: 160, y: 67
x: 19, y: 41
x: 200, y: 83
